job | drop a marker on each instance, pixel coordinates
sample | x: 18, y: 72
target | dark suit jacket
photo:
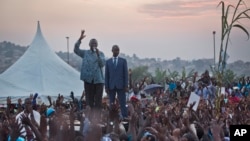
x: 116, y: 76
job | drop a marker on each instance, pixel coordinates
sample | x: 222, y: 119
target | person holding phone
x: 93, y: 61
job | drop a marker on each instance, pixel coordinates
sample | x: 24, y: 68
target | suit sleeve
x: 77, y: 49
x: 106, y: 76
x: 125, y: 73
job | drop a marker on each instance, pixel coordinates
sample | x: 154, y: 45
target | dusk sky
x: 164, y: 29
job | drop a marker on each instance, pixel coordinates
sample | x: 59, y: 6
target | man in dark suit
x: 116, y: 80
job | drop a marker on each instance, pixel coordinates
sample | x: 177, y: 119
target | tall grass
x: 240, y: 12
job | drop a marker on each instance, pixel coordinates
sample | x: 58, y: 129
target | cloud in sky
x: 177, y: 9
x: 149, y: 28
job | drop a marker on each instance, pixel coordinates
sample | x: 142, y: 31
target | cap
x: 134, y: 98
x: 50, y: 111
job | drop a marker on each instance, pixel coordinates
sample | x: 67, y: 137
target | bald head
x: 176, y: 132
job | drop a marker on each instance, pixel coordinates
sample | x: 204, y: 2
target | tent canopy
x: 40, y: 71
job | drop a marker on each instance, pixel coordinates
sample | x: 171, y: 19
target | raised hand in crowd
x: 82, y: 35
x: 5, y: 129
x: 132, y: 128
x: 26, y: 121
x: 14, y: 129
x: 20, y: 107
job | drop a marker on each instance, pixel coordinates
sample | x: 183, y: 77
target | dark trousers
x: 93, y: 93
x: 121, y: 98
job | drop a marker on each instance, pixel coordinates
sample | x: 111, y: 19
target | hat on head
x: 149, y: 136
x: 50, y: 111
x: 236, y: 88
x: 134, y: 99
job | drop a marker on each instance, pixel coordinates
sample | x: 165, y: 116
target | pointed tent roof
x: 40, y: 71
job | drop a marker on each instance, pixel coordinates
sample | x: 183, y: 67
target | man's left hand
x: 126, y: 89
x: 97, y: 51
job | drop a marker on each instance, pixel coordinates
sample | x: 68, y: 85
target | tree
x: 227, y: 25
x: 229, y: 76
x: 160, y: 75
x: 186, y: 75
x: 139, y: 73
x: 174, y: 75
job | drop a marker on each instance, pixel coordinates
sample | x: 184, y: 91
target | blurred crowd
x: 160, y: 114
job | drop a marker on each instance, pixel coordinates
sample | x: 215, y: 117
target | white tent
x: 40, y: 71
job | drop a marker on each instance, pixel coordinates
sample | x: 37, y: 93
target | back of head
x: 205, y: 138
x: 123, y: 137
x: 199, y: 131
x: 149, y: 137
x: 27, y: 100
x: 176, y: 132
x: 79, y: 138
x: 189, y: 137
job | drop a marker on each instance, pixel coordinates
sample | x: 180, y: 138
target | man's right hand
x: 107, y: 91
x: 82, y: 35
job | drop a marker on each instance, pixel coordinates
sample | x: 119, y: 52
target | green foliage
x: 227, y: 24
x: 228, y: 76
x: 139, y: 73
x: 160, y: 76
x: 186, y: 75
x: 183, y: 73
x: 190, y: 74
x: 173, y: 75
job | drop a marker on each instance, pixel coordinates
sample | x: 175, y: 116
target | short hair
x: 200, y: 132
x: 92, y: 40
x: 190, y: 137
x: 123, y: 137
x: 115, y: 46
x: 79, y: 138
x: 27, y: 99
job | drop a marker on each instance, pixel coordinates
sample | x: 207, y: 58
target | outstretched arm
x: 82, y: 35
x: 77, y: 44
x: 28, y: 122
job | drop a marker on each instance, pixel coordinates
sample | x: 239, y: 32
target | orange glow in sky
x: 164, y: 29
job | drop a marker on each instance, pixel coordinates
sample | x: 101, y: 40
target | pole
x: 68, y: 48
x: 214, y: 47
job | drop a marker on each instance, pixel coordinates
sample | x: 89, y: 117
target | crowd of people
x: 162, y: 115
x: 129, y: 112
